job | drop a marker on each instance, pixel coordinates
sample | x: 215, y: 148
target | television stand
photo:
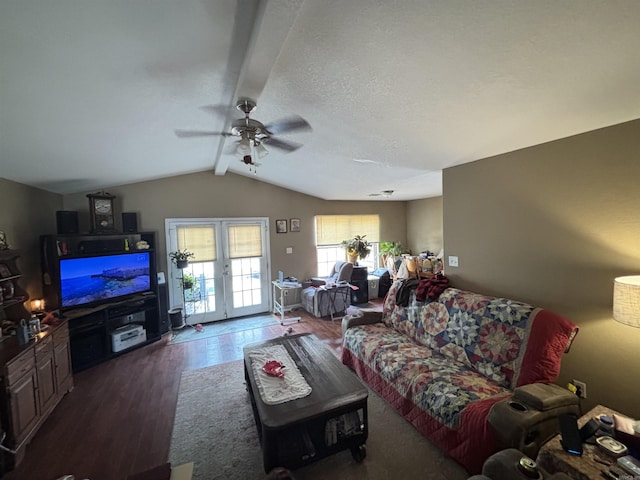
x: 96, y: 334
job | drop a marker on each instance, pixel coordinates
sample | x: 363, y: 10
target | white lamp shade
x: 244, y: 148
x: 626, y: 300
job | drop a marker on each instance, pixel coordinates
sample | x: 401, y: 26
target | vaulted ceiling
x: 91, y: 92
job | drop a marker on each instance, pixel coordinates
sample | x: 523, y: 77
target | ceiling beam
x: 268, y: 25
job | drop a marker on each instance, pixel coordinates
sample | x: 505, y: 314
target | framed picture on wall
x: 281, y: 226
x: 294, y: 224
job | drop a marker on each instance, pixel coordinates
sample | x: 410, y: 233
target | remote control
x: 630, y: 464
x: 571, y: 440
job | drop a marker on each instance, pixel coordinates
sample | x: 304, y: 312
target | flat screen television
x: 90, y: 280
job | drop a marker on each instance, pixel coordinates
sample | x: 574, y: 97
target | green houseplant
x: 187, y: 281
x: 357, y: 248
x: 390, y: 248
x: 181, y: 257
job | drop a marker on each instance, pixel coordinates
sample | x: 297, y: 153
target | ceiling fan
x: 253, y: 134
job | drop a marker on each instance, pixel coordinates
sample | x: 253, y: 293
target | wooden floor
x: 118, y: 419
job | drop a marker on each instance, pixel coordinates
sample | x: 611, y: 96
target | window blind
x: 244, y: 241
x: 200, y: 240
x: 333, y: 229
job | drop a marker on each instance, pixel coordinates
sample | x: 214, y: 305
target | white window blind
x: 333, y: 229
x: 200, y: 240
x: 244, y: 241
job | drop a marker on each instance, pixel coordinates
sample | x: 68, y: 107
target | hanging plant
x: 181, y: 257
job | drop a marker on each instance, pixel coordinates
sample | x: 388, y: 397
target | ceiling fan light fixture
x: 261, y: 151
x: 244, y: 147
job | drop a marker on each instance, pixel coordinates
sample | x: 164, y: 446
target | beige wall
x: 424, y: 225
x: 207, y: 195
x: 553, y: 225
x: 25, y: 213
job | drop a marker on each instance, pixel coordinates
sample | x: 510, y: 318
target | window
x: 331, y: 230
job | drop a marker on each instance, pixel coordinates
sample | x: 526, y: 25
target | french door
x: 228, y: 276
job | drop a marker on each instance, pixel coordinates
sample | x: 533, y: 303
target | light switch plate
x: 453, y: 261
x: 289, y: 250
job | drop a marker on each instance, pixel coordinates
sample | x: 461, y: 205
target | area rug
x: 215, y: 429
x: 222, y: 327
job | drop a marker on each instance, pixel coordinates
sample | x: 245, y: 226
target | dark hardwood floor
x: 118, y: 419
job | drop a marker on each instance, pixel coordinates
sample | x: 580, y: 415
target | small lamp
x: 626, y: 300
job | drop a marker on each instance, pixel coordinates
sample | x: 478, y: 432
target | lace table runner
x: 274, y: 390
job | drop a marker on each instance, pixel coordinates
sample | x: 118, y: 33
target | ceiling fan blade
x: 198, y: 133
x: 288, y: 124
x: 281, y: 144
x: 220, y: 110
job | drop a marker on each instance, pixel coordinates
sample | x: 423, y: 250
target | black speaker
x: 67, y: 222
x: 359, y: 278
x: 163, y: 300
x: 130, y: 222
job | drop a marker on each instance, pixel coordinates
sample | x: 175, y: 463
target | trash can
x: 175, y: 316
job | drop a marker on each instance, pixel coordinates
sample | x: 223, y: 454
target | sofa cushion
x: 429, y: 380
x: 491, y: 335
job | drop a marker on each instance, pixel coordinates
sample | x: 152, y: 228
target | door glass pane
x: 245, y: 279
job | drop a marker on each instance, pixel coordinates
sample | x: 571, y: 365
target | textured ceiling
x: 92, y: 91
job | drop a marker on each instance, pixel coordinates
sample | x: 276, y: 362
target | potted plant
x: 390, y: 248
x: 357, y: 248
x: 389, y: 253
x: 181, y: 257
x: 187, y: 281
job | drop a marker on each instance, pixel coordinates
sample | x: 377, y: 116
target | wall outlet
x: 581, y: 388
x: 453, y: 261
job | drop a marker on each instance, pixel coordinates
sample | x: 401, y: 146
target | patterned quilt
x: 444, y: 363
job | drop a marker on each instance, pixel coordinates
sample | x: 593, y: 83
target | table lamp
x: 626, y: 300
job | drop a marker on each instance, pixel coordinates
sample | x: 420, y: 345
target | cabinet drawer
x: 44, y: 347
x: 20, y: 365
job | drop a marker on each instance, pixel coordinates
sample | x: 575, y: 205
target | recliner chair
x: 341, y: 272
x: 323, y: 298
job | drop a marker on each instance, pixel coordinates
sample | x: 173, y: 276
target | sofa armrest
x: 529, y: 418
x: 542, y: 396
x: 362, y: 317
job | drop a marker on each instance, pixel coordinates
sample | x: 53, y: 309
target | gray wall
x: 424, y: 225
x: 553, y: 225
x: 25, y: 213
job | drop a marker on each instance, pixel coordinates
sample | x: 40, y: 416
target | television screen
x: 94, y: 279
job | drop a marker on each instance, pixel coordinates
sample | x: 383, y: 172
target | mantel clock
x: 101, y: 212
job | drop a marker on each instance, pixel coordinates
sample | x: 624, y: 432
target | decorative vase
x: 352, y: 258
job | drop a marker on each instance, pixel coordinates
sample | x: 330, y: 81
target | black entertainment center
x: 106, y: 286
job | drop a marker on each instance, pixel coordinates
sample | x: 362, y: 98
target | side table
x: 285, y: 299
x: 588, y: 466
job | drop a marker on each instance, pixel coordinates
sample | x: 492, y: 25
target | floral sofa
x: 444, y: 363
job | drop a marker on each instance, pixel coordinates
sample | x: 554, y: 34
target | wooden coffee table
x: 304, y: 430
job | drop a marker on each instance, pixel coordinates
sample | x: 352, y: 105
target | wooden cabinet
x: 34, y: 378
x: 62, y: 360
x: 22, y: 390
x: 45, y: 373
